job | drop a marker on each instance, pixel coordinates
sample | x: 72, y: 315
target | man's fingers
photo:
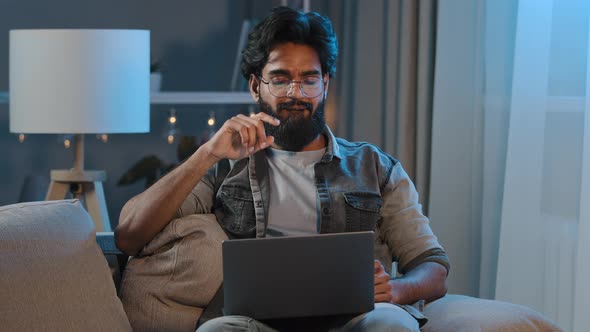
x: 383, y: 298
x: 235, y: 124
x: 381, y: 278
x: 256, y: 130
x: 380, y: 274
x: 269, y: 141
x: 251, y: 137
x: 383, y: 292
x: 260, y: 132
x: 247, y: 131
x: 261, y: 135
x: 244, y: 135
x: 266, y: 118
x: 378, y: 266
x: 383, y: 288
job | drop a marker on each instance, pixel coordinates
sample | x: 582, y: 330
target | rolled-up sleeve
x: 201, y: 198
x: 404, y: 228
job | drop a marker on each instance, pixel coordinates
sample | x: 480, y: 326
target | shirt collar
x: 332, y: 148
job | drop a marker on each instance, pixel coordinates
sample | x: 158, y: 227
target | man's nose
x: 295, y: 91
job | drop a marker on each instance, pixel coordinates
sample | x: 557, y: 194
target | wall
x: 196, y: 41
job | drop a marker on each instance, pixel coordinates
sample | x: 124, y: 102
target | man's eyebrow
x: 284, y: 72
x: 279, y: 72
x: 310, y: 73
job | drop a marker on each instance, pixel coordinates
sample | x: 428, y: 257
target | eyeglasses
x: 282, y: 86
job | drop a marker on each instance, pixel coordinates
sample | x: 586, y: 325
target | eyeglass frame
x: 291, y: 84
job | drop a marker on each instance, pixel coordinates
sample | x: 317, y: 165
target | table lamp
x: 65, y: 81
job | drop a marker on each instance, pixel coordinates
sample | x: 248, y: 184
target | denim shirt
x: 359, y: 188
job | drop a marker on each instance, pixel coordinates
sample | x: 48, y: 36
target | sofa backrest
x: 53, y: 275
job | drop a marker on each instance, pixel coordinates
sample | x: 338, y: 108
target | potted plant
x: 151, y: 168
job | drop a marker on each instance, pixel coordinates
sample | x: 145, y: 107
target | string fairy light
x: 102, y: 137
x: 170, y: 130
x: 66, y: 140
x: 211, y: 120
x: 172, y: 116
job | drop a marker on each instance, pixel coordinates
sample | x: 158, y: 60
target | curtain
x: 544, y: 220
x: 510, y: 181
x: 581, y: 319
x: 457, y: 138
x: 499, y: 30
x: 384, y: 85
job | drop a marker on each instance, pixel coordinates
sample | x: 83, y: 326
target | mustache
x: 292, y: 103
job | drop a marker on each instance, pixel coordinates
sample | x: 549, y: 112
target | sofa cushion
x: 175, y: 276
x: 53, y: 275
x: 459, y: 313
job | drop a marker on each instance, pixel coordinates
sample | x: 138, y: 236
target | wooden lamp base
x: 84, y: 185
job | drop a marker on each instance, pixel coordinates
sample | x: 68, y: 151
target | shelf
x: 174, y: 98
x: 201, y: 98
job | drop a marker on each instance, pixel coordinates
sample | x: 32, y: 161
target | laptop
x: 299, y: 276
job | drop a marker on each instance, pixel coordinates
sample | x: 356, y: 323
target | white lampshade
x: 79, y: 81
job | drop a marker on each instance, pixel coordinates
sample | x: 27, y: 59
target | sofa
x: 57, y: 274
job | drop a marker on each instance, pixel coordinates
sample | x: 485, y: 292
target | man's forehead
x: 293, y: 58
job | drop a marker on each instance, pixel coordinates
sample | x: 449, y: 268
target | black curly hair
x: 284, y: 25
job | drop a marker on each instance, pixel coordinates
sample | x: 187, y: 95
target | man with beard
x: 289, y: 175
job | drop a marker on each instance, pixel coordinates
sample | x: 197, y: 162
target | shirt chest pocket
x: 238, y: 210
x: 362, y: 210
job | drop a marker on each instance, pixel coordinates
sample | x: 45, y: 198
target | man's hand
x: 146, y: 214
x: 241, y: 136
x: 427, y: 282
x: 383, y: 287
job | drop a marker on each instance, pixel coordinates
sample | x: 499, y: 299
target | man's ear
x: 326, y: 85
x: 254, y: 87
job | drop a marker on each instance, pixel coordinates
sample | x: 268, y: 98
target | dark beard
x: 294, y: 132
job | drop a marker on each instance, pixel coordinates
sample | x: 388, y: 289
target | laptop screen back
x: 328, y: 274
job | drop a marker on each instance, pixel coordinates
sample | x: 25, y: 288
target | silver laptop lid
x: 302, y: 276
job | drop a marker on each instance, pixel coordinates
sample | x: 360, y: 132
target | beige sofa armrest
x: 458, y: 313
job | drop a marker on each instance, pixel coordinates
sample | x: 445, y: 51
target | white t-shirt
x: 293, y: 196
